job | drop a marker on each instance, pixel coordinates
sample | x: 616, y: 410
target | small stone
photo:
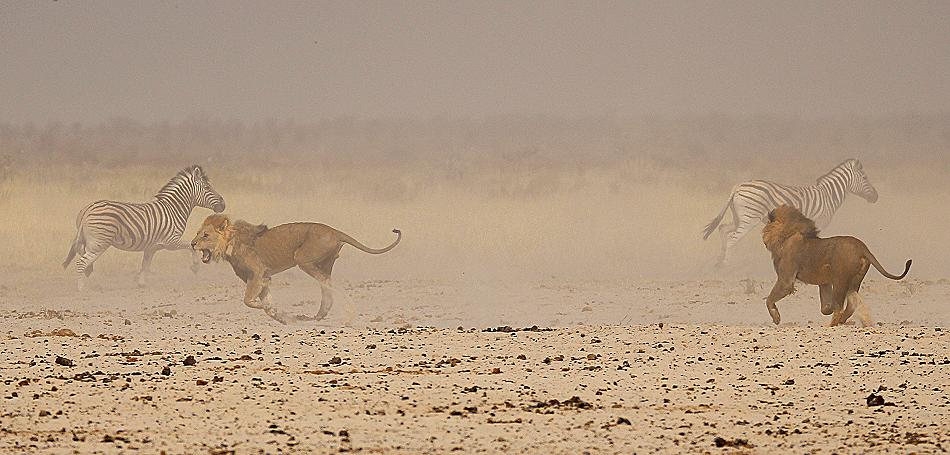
x: 128, y: 322
x: 335, y: 361
x: 190, y: 361
x: 166, y: 371
x: 64, y: 361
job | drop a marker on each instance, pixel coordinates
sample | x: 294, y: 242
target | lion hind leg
x: 326, y: 293
x: 854, y: 302
x: 839, y: 297
x: 864, y: 312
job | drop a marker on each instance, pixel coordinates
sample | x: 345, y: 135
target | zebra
x: 148, y: 227
x: 751, y: 201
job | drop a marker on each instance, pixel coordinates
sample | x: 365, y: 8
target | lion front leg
x: 827, y: 298
x: 257, y: 296
x: 783, y: 287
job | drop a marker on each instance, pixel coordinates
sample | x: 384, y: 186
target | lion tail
x: 877, y: 265
x: 350, y: 240
x: 711, y: 227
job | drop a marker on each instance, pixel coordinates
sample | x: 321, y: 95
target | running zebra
x: 751, y: 201
x: 148, y: 227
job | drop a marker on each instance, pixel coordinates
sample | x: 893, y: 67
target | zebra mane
x: 182, y: 176
x: 846, y: 163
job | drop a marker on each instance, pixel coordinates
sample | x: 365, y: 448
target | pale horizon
x: 308, y: 61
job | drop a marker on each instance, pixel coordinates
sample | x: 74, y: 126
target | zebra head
x: 204, y: 194
x: 859, y: 183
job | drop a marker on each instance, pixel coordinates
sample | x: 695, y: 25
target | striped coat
x: 147, y: 227
x: 750, y: 202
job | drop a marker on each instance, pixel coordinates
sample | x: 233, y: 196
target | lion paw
x: 278, y: 316
x: 776, y: 318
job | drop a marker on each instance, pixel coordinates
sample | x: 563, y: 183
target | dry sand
x: 628, y: 367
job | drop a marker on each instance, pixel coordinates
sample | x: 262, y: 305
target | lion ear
x: 225, y: 224
x: 771, y: 216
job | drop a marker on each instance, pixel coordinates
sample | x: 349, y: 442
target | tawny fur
x: 837, y: 265
x: 257, y: 252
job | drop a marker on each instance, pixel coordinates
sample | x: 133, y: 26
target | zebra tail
x: 711, y: 227
x: 73, y: 249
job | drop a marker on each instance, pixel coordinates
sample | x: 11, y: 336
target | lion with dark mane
x: 836, y: 264
x: 257, y: 252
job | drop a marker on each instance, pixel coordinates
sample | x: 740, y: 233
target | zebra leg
x: 84, y: 265
x: 741, y: 229
x: 146, y: 264
x: 725, y: 230
x: 195, y: 259
x: 195, y: 262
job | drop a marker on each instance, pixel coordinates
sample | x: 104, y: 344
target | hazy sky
x: 88, y: 61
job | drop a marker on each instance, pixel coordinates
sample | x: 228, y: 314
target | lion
x: 836, y: 264
x: 257, y: 252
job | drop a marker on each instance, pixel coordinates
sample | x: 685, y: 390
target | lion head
x: 218, y: 234
x: 784, y: 223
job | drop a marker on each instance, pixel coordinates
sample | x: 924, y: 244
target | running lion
x: 836, y: 264
x: 256, y: 253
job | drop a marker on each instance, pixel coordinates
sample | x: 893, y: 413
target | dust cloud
x: 498, y: 198
x: 552, y: 166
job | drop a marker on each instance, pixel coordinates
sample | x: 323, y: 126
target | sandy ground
x: 183, y: 367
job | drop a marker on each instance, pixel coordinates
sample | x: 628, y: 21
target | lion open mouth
x: 206, y: 256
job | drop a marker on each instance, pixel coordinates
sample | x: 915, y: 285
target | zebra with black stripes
x: 750, y: 202
x: 148, y: 227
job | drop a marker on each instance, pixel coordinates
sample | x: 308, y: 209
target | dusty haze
x: 154, y: 61
x: 552, y: 166
x: 527, y: 139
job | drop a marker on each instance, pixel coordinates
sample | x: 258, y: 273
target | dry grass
x: 628, y: 221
